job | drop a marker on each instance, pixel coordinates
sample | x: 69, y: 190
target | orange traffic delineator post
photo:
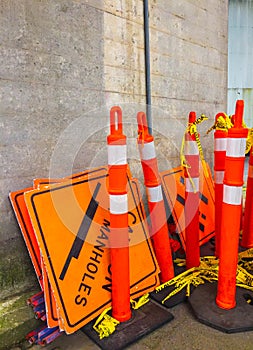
x: 231, y: 210
x: 151, y: 315
x: 247, y: 233
x: 220, y: 144
x: 231, y: 312
x: 159, y: 229
x: 119, y: 238
x: 192, y: 198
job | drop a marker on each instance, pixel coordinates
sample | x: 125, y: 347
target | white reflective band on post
x: 155, y: 194
x: 118, y: 204
x: 218, y: 177
x: 188, y: 184
x: 220, y: 144
x: 117, y: 154
x: 147, y: 150
x: 236, y: 147
x: 232, y: 195
x: 191, y: 148
x: 250, y: 172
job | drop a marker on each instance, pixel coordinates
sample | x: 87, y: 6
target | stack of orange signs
x: 174, y: 188
x: 66, y: 228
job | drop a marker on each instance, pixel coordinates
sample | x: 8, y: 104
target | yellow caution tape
x: 179, y: 262
x: 244, y: 279
x: 192, y: 130
x: 225, y: 123
x: 136, y: 304
x: 246, y: 254
x: 208, y: 272
x: 222, y: 123
x: 249, y: 141
x: 245, y: 259
x: 105, y: 325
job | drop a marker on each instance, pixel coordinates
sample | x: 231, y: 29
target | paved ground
x: 184, y: 332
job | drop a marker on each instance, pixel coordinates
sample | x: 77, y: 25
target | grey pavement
x: 183, y: 333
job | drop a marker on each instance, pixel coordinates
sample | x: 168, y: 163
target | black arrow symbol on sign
x: 82, y: 232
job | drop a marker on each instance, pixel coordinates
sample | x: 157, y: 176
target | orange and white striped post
x: 220, y: 144
x: 231, y: 211
x: 159, y: 230
x: 247, y: 234
x: 119, y: 237
x: 192, y: 198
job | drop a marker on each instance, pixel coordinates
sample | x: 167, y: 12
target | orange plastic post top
x: 192, y: 117
x: 239, y: 114
x: 116, y: 129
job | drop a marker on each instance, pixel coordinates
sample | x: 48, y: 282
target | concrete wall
x: 188, y: 41
x: 51, y: 72
x: 64, y: 63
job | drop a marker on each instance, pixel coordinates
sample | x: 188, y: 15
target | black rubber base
x: 145, y: 320
x: 208, y: 249
x: 175, y: 299
x: 238, y: 319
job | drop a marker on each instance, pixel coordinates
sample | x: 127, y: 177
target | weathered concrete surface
x: 16, y: 319
x: 188, y: 43
x: 16, y: 271
x: 51, y: 73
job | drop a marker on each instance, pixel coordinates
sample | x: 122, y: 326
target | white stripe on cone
x: 117, y: 154
x: 155, y: 194
x: 191, y: 148
x: 236, y: 147
x: 147, y: 150
x: 188, y: 184
x: 232, y: 194
x: 118, y: 204
x: 220, y: 144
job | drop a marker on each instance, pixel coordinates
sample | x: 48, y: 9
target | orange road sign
x: 174, y: 188
x: 43, y: 182
x: 23, y: 218
x: 71, y: 222
x: 50, y: 303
